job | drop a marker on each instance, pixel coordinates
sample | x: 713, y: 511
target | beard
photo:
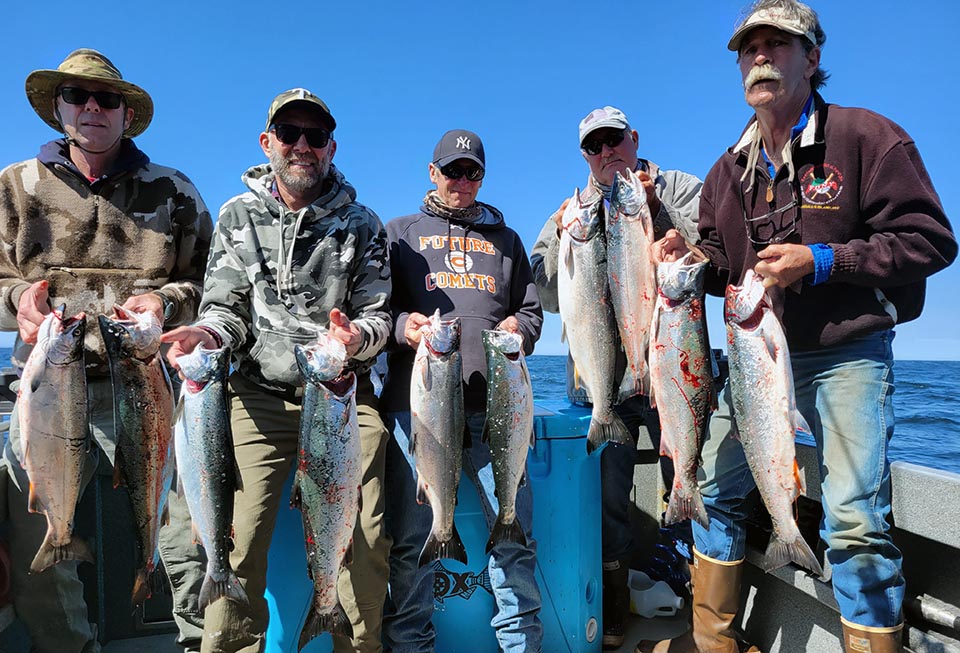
x: 298, y: 179
x: 761, y: 73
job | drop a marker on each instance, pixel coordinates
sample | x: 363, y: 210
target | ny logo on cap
x: 463, y: 143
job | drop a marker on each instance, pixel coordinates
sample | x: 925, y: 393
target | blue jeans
x: 407, y: 626
x: 845, y: 394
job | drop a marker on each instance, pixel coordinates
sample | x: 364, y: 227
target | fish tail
x: 49, y: 554
x: 686, y: 503
x: 635, y: 382
x: 228, y: 588
x: 335, y: 622
x: 141, y: 586
x: 504, y: 532
x: 435, y: 549
x: 780, y: 552
x: 614, y: 431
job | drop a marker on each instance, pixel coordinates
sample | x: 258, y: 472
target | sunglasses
x: 317, y: 137
x: 774, y: 227
x: 80, y: 96
x: 454, y: 171
x: 593, y: 146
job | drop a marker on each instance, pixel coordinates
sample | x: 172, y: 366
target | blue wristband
x: 822, y: 264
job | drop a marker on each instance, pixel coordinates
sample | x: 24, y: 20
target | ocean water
x: 926, y: 404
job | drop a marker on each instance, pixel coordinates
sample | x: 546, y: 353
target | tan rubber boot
x: 716, y: 597
x: 863, y: 639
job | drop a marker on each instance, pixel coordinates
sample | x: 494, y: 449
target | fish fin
x: 141, y: 587
x: 422, y: 498
x: 686, y: 503
x: 779, y: 553
x: 237, y: 478
x: 119, y: 478
x: 178, y: 411
x: 195, y: 533
x: 577, y: 379
x: 49, y: 555
x: 425, y: 376
x: 798, y: 477
x: 503, y: 532
x: 229, y: 588
x: 359, y: 499
x: 631, y: 384
x: 35, y: 384
x: 800, y: 424
x: 563, y: 332
x: 335, y: 622
x: 348, y: 555
x: 533, y: 441
x: 615, y: 431
x: 33, y: 501
x: 434, y: 549
x: 412, y: 443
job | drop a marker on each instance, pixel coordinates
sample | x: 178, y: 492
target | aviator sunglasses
x: 79, y: 96
x: 454, y: 171
x: 593, y: 146
x: 317, y: 137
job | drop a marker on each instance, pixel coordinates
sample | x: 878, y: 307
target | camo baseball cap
x: 300, y: 95
x: 600, y: 118
x: 90, y: 65
x: 772, y: 17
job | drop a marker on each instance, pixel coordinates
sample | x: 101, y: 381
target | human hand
x: 146, y: 303
x: 650, y: 188
x: 348, y: 333
x: 184, y: 340
x: 784, y: 265
x: 412, y: 329
x: 34, y: 306
x: 669, y: 248
x: 557, y: 216
x: 511, y: 324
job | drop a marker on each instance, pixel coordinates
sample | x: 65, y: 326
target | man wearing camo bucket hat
x: 91, y: 222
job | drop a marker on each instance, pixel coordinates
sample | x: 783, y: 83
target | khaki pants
x: 265, y: 435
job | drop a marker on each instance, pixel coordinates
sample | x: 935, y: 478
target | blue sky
x: 396, y: 75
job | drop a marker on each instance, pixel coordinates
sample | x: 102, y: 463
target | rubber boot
x: 863, y: 639
x: 616, y: 603
x: 716, y: 598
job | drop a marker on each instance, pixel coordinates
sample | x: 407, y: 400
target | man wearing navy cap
x: 456, y: 255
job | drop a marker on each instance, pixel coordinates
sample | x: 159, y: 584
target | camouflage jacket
x: 275, y: 274
x: 139, y: 228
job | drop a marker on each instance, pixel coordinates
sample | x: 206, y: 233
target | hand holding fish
x: 184, y: 340
x: 412, y: 332
x: 670, y: 248
x: 146, y: 303
x: 34, y: 305
x: 511, y: 325
x: 650, y: 188
x: 784, y: 265
x: 342, y: 329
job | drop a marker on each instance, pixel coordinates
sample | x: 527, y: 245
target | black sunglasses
x: 593, y: 146
x: 454, y: 171
x: 317, y: 137
x: 80, y: 96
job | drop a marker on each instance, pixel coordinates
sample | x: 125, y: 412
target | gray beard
x: 296, y: 182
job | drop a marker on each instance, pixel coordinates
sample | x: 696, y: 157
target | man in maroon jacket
x: 833, y: 207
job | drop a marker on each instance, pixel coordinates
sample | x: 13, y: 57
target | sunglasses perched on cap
x: 593, y: 144
x: 80, y: 96
x: 317, y: 137
x: 456, y: 171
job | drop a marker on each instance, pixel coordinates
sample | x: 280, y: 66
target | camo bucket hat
x: 90, y: 65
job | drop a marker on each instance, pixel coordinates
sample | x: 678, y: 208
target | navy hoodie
x: 477, y: 271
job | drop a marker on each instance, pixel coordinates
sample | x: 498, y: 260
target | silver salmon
x: 681, y: 379
x: 765, y: 410
x: 52, y: 408
x: 143, y: 422
x: 633, y: 277
x: 206, y: 466
x: 508, y: 429
x: 589, y: 325
x: 326, y: 486
x: 437, y: 421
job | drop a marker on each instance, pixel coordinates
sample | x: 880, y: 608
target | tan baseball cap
x: 770, y: 17
x: 300, y: 95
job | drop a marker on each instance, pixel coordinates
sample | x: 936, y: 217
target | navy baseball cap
x: 458, y: 144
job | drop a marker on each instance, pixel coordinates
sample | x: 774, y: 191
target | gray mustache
x: 760, y: 73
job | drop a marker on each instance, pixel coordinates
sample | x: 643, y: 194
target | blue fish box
x: 566, y: 495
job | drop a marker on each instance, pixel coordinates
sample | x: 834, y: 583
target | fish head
x: 681, y: 280
x: 744, y: 304
x: 62, y: 336
x: 130, y: 334
x: 627, y: 197
x: 581, y: 221
x: 442, y: 336
x: 201, y: 366
x: 506, y: 343
x: 321, y: 361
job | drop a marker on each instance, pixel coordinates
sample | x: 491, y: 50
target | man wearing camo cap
x: 91, y: 222
x: 609, y: 145
x: 294, y: 253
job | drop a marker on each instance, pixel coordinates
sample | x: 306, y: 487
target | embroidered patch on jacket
x: 821, y: 184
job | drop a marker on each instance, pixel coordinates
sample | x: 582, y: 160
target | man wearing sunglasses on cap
x: 89, y: 223
x: 833, y: 208
x: 609, y: 145
x: 294, y: 254
x: 456, y: 255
